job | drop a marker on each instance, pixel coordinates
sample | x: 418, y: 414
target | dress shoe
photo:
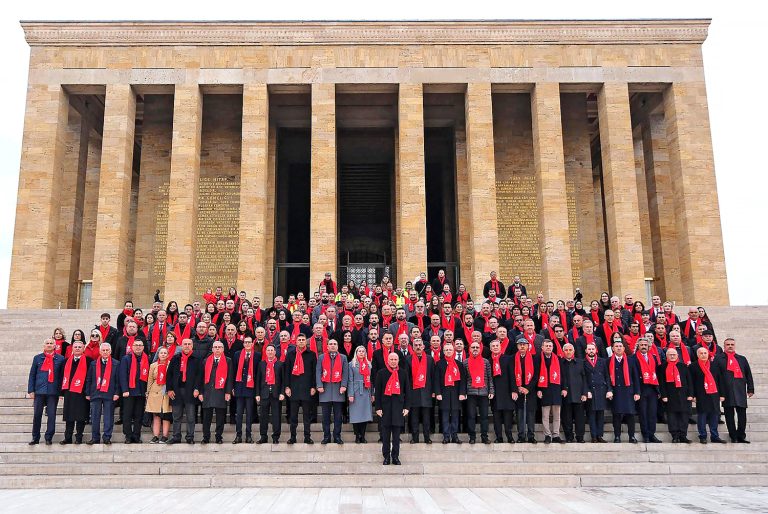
x: 499, y: 440
x: 363, y: 440
x: 547, y: 439
x: 33, y: 442
x: 128, y: 440
x: 205, y: 441
x: 703, y: 440
x: 91, y: 442
x: 324, y: 441
x: 472, y: 440
x: 119, y: 422
x: 557, y: 439
x: 275, y: 440
x: 396, y: 461
x: 78, y: 440
x: 292, y: 440
x: 445, y: 441
x: 594, y: 439
x: 414, y: 440
x: 238, y: 440
x: 617, y: 439
x: 569, y: 439
x: 107, y: 441
x: 190, y: 441
x: 456, y: 440
x: 428, y: 440
x: 308, y: 440
x: 718, y: 440
x: 262, y: 440
x: 580, y: 440
x: 485, y: 440
x: 743, y: 441
x: 386, y: 462
x: 633, y: 440
x: 675, y: 439
x: 645, y: 440
x: 48, y: 442
x: 137, y: 440
x: 734, y: 440
x: 654, y: 439
x: 338, y: 440
x: 685, y: 440
x: 601, y: 440
x: 521, y: 439
x: 64, y: 442
x: 219, y: 440
x: 249, y: 439
x: 532, y: 440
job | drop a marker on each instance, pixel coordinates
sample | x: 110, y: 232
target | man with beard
x: 422, y: 368
x: 576, y: 387
x: 181, y: 384
x: 599, y: 385
x: 300, y: 387
x: 738, y: 385
x: 625, y: 384
x: 525, y: 367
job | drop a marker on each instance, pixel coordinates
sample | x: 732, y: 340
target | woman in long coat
x: 359, y: 393
x: 158, y: 402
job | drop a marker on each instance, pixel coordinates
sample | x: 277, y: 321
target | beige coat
x: 157, y: 398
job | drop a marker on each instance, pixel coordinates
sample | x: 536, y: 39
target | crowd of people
x: 424, y: 358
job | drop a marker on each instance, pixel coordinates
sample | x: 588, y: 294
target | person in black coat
x: 599, y: 385
x: 181, y: 384
x: 676, y: 392
x: 738, y: 385
x: 422, y: 391
x: 215, y: 386
x: 108, y: 333
x: 549, y: 391
x: 647, y: 367
x: 76, y: 406
x: 525, y: 368
x: 103, y: 390
x: 300, y: 386
x: 392, y: 404
x: 576, y: 388
x: 269, y: 394
x: 134, y: 373
x: 707, y: 387
x: 496, y: 285
x: 625, y: 383
x: 503, y: 383
x: 245, y: 388
x: 450, y: 391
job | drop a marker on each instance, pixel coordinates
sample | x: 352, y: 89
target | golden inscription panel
x: 518, y: 224
x: 573, y: 229
x: 161, y: 237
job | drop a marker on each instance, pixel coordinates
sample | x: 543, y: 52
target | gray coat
x: 360, y: 409
x: 332, y: 392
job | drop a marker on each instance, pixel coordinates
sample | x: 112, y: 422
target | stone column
x: 661, y: 206
x: 642, y: 207
x: 253, y: 192
x: 411, y: 238
x: 33, y: 260
x: 110, y: 264
x: 481, y: 169
x: 182, y: 193
x: 269, y: 244
x: 90, y: 206
x: 554, y: 241
x: 463, y: 218
x: 620, y: 191
x: 699, y: 234
x: 324, y: 227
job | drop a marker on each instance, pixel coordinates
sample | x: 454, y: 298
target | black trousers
x: 269, y: 411
x: 221, y: 418
x: 244, y: 405
x: 359, y: 428
x: 529, y: 418
x: 180, y: 410
x: 390, y: 441
x: 502, y: 423
x: 307, y: 407
x: 475, y: 403
x: 49, y: 402
x: 423, y: 415
x: 571, y: 413
x: 736, y: 431
x: 76, y: 427
x: 630, y: 421
x: 648, y: 407
x: 596, y: 420
x: 677, y: 422
x: 332, y: 408
x: 133, y: 416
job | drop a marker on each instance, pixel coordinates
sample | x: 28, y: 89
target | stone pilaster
x: 269, y: 243
x: 33, y: 260
x: 481, y: 170
x: 661, y: 207
x: 90, y: 206
x: 324, y: 226
x: 252, y: 268
x: 642, y: 208
x: 182, y: 193
x: 463, y: 217
x: 113, y: 219
x: 699, y: 234
x: 554, y: 240
x: 411, y: 239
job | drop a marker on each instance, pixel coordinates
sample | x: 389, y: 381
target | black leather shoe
x: 594, y: 439
x: 219, y: 440
x: 128, y: 440
x: 617, y: 439
x: 633, y: 440
x: 521, y: 439
x: 645, y: 440
x: 428, y: 441
x: 249, y: 440
x: 262, y: 440
x: 532, y: 440
x: 654, y: 439
x: 456, y: 440
x: 64, y: 442
x: 485, y: 440
x: 386, y: 462
x: 107, y: 442
x: 685, y: 440
x: 703, y: 440
x: 718, y: 440
x: 743, y: 441
x: 275, y: 440
x: 91, y: 442
x: 445, y: 441
x: 363, y: 440
x: 601, y: 440
x: 472, y: 440
x: 292, y: 440
x: 205, y: 441
x: 338, y: 440
x: 499, y: 440
x: 676, y: 440
x: 325, y: 441
x: 414, y: 440
x: 190, y: 441
x: 48, y: 442
x: 547, y: 439
x: 308, y: 440
x: 173, y: 440
x: 238, y: 440
x: 396, y: 461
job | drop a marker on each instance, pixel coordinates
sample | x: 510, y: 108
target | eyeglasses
x: 94, y: 335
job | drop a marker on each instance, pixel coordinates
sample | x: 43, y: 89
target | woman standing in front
x: 359, y: 393
x: 158, y: 402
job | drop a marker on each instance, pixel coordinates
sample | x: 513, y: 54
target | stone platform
x: 358, y: 466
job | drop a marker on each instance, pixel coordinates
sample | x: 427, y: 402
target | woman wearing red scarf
x: 706, y: 377
x: 359, y: 393
x: 392, y: 387
x: 59, y: 341
x: 450, y: 391
x: 676, y: 390
x: 158, y: 402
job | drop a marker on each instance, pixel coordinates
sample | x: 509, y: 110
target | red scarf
x: 435, y: 355
x: 639, y: 319
x: 526, y: 368
x: 558, y: 348
x: 612, y: 370
x: 365, y: 371
x: 328, y: 375
x: 296, y: 331
x: 102, y: 384
x: 240, y: 363
x: 348, y: 347
x: 104, y: 332
x: 595, y: 315
x: 463, y: 298
x: 487, y: 326
x: 269, y: 377
x: 592, y: 360
x: 609, y: 329
x: 229, y: 342
x: 59, y: 346
x: 504, y: 344
x: 48, y: 365
x: 156, y: 337
x: 298, y: 364
x: 452, y: 374
x: 144, y: 370
x: 419, y: 371
x: 323, y: 344
x: 530, y: 338
x: 710, y: 386
x: 687, y: 328
x: 662, y: 341
x: 673, y: 374
x: 670, y: 318
x: 631, y: 341
x: 393, y: 384
x: 563, y: 319
x: 162, y: 373
x: 554, y: 372
x: 477, y: 371
x: 685, y: 356
x: 496, y: 364
x: 128, y: 312
x: 221, y: 371
x: 181, y: 335
x: 733, y: 366
x: 78, y: 381
x: 371, y: 349
x: 648, y: 369
x: 183, y: 365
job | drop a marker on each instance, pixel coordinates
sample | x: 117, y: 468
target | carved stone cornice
x: 270, y: 33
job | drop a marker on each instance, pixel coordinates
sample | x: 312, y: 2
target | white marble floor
x: 372, y: 500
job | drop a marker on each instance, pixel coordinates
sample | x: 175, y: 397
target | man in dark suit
x: 215, y: 386
x: 738, y: 385
x: 102, y: 387
x: 183, y: 376
x: 300, y: 386
x: 598, y: 387
x: 134, y: 373
x: 269, y: 394
x: 392, y: 403
x: 422, y: 368
x: 45, y: 376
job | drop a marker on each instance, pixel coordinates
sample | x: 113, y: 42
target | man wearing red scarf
x: 45, y: 376
x: 76, y: 408
x: 648, y: 365
x: 380, y: 357
x: 269, y: 394
x: 599, y: 385
x: 625, y: 385
x: 215, y: 386
x: 450, y: 391
x: 245, y: 361
x: 707, y: 386
x: 422, y: 367
x: 127, y: 312
x: 497, y: 286
x: 300, y: 389
x: 332, y: 379
x: 108, y: 333
x: 676, y: 392
x: 134, y: 373
x: 182, y: 382
x: 392, y: 403
x: 480, y: 390
x: 575, y: 384
x: 738, y: 385
x: 524, y: 390
x: 501, y: 403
